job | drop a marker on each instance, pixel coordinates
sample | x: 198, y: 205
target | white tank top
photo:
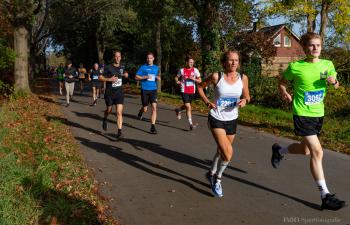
x: 226, y: 97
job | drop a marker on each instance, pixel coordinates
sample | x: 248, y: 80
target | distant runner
x: 187, y: 77
x: 71, y: 75
x: 60, y: 77
x: 96, y: 84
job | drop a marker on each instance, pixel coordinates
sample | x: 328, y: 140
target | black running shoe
x: 139, y: 116
x: 211, y: 179
x: 332, y: 203
x: 276, y: 156
x: 193, y: 126
x: 119, y: 135
x: 104, y: 124
x: 153, y: 129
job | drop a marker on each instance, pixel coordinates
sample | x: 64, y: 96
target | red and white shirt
x: 188, y: 86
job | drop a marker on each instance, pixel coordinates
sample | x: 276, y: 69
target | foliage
x: 341, y: 60
x: 42, y: 174
x: 7, y: 55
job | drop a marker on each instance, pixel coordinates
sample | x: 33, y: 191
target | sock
x: 222, y: 166
x: 190, y: 121
x: 283, y: 150
x: 322, y: 187
x: 214, y: 165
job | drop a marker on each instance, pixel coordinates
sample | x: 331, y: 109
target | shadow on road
x: 140, y: 163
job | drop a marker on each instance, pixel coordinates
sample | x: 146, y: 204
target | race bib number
x: 313, y: 97
x: 226, y: 102
x: 189, y: 83
x: 95, y: 77
x: 151, y: 77
x: 118, y: 83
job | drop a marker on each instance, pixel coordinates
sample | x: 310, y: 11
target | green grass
x: 43, y: 179
x: 336, y: 128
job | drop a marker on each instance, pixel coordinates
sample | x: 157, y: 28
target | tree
x: 308, y: 10
x: 20, y: 14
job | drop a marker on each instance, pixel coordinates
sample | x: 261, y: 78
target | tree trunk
x: 324, y: 18
x: 159, y: 52
x: 311, y: 23
x: 100, y: 51
x: 21, y: 61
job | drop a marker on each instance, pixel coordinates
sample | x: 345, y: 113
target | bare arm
x: 245, y: 95
x: 212, y: 79
x: 283, y: 89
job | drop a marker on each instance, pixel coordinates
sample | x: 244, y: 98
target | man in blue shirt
x: 148, y: 75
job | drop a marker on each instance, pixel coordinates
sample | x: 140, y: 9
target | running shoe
x: 153, y: 129
x: 139, y: 115
x: 67, y: 105
x: 104, y: 124
x: 178, y: 114
x: 217, y: 189
x: 276, y: 156
x: 119, y: 135
x: 193, y: 127
x: 211, y: 179
x: 332, y: 203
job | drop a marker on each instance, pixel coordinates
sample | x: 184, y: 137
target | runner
x: 82, y: 72
x: 95, y: 83
x: 71, y: 75
x: 231, y: 93
x: 112, y: 75
x: 148, y: 75
x: 60, y: 77
x: 310, y: 78
x: 187, y: 78
x: 102, y: 68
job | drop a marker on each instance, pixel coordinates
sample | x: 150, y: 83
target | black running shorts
x: 114, y: 98
x: 96, y: 84
x: 187, y: 98
x: 229, y: 126
x: 148, y: 97
x: 307, y: 126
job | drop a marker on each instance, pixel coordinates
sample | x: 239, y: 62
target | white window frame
x: 279, y: 38
x: 284, y: 41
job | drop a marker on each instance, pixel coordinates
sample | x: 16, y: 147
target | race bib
x: 95, y: 77
x: 121, y: 71
x: 189, y: 83
x: 151, y: 77
x: 118, y: 83
x: 313, y: 97
x: 226, y: 102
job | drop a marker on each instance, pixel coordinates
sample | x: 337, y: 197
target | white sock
x: 322, y: 187
x: 283, y: 150
x: 214, y: 165
x: 222, y: 166
x: 190, y: 120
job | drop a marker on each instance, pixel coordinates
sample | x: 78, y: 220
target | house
x: 287, y: 46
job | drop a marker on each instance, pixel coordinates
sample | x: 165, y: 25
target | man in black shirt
x: 112, y: 75
x: 70, y: 75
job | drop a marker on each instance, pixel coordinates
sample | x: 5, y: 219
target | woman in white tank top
x: 231, y: 93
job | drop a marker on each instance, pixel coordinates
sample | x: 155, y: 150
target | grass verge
x: 43, y: 179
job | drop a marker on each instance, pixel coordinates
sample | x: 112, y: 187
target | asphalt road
x: 159, y: 179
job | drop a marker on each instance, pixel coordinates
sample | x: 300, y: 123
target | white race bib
x: 313, y: 97
x: 117, y: 83
x: 226, y: 102
x: 189, y: 83
x: 151, y: 77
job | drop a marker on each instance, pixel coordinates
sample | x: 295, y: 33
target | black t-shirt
x: 94, y: 74
x: 111, y: 71
x: 70, y: 73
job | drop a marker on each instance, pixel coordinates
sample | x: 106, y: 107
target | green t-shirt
x: 310, y: 85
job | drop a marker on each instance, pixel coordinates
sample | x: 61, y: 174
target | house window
x: 287, y: 42
x: 277, y: 41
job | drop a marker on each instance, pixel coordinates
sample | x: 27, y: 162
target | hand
x: 114, y: 79
x: 331, y: 80
x: 211, y: 105
x: 242, y: 102
x: 287, y: 97
x: 178, y: 82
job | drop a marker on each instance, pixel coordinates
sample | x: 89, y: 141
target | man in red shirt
x: 187, y: 78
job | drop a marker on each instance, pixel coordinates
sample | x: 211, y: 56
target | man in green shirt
x: 310, y: 78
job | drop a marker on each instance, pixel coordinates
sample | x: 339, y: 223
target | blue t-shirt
x: 146, y: 70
